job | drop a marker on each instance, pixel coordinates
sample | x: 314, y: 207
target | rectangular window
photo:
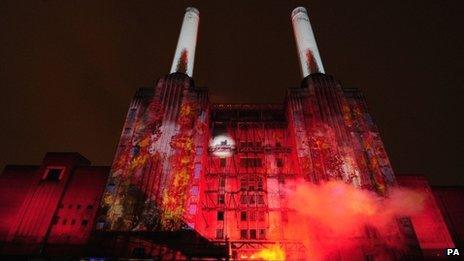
x: 131, y: 115
x: 262, y: 234
x: 243, y: 199
x: 55, y: 220
x: 243, y: 216
x: 243, y: 184
x: 194, y: 191
x: 279, y: 162
x: 53, y: 174
x: 243, y: 233
x: 197, y: 171
x: 252, y: 198
x: 220, y: 215
x: 260, y: 184
x: 199, y: 151
x: 84, y: 222
x: 219, y: 233
x: 250, y: 162
x: 252, y: 215
x: 221, y: 199
x: 252, y: 233
x: 222, y: 162
x: 222, y: 182
x: 192, y: 209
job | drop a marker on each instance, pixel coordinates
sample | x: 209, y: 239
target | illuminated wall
x: 335, y: 135
x: 152, y: 176
x: 55, y: 203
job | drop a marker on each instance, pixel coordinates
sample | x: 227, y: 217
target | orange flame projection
x: 273, y: 253
x: 328, y: 218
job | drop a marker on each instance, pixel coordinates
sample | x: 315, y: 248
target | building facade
x: 189, y: 175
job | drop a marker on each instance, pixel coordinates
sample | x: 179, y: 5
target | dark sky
x: 68, y: 70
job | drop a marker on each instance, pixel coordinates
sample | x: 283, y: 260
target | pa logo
x: 452, y: 252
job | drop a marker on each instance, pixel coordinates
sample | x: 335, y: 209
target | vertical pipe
x: 185, y: 50
x: 308, y: 53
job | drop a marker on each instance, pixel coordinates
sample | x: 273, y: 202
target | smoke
x: 334, y: 216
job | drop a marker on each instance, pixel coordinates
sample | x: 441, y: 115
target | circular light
x: 222, y: 146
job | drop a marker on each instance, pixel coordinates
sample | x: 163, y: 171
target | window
x: 252, y: 233
x: 262, y: 234
x: 221, y: 199
x: 222, y: 182
x: 252, y: 215
x: 222, y: 162
x: 260, y: 184
x: 131, y: 115
x: 192, y: 209
x: 53, y: 174
x: 243, y: 216
x: 243, y: 233
x: 55, y: 220
x: 194, y: 191
x: 73, y: 222
x: 250, y: 162
x: 279, y: 162
x: 220, y: 215
x: 260, y: 199
x: 243, y: 183
x: 219, y: 233
x: 243, y: 199
x: 199, y: 151
x: 78, y: 206
x: 84, y: 222
x: 252, y: 199
x: 197, y: 171
x: 261, y: 215
x: 64, y: 221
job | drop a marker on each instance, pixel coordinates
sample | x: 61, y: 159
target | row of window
x: 251, y: 162
x: 78, y: 206
x: 245, y: 215
x: 244, y: 199
x: 245, y: 233
x: 255, y: 144
x: 56, y: 220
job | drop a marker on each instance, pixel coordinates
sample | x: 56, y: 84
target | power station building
x: 192, y: 179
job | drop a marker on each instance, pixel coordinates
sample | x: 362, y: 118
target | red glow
x: 328, y: 217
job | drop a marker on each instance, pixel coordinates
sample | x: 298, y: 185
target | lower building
x: 51, y: 210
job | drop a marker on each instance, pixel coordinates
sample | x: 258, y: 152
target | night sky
x: 68, y: 70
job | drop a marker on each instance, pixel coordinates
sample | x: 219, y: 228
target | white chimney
x: 306, y: 43
x: 185, y: 50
